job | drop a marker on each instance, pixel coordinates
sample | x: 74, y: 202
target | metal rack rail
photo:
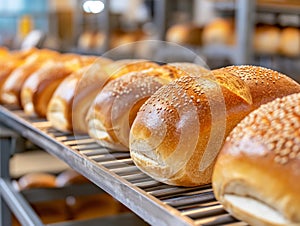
x: 115, y: 173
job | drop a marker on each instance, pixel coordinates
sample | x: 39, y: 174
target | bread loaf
x: 36, y: 180
x: 179, y: 131
x: 257, y: 173
x: 188, y: 34
x: 92, y: 206
x: 67, y: 110
x: 9, y: 61
x: 219, y: 31
x: 266, y: 39
x: 11, y: 89
x: 290, y: 42
x: 40, y: 86
x: 48, y: 211
x: 69, y: 177
x: 115, y: 107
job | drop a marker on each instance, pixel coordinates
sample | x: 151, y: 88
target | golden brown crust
x: 36, y: 180
x: 67, y: 111
x: 267, y: 39
x: 11, y: 89
x: 260, y: 160
x: 69, y: 177
x: 188, y: 34
x: 100, y: 205
x: 40, y: 86
x: 9, y: 61
x: 115, y: 107
x: 59, y: 111
x: 219, y: 31
x: 290, y: 42
x: 177, y: 141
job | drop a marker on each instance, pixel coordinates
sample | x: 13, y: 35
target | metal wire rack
x: 115, y: 173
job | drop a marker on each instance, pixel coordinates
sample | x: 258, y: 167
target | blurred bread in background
x: 187, y: 33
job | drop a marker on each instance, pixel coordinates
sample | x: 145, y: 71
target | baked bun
x: 179, y: 131
x: 92, y: 206
x: 266, y: 39
x: 188, y: 34
x: 219, y: 31
x: 290, y: 42
x: 11, y: 89
x: 36, y: 180
x: 9, y: 61
x: 67, y: 110
x: 256, y: 176
x: 40, y: 86
x: 69, y: 177
x: 115, y: 107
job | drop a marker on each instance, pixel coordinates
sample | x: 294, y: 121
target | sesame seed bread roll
x: 69, y: 104
x: 115, y: 107
x: 40, y: 86
x: 257, y: 173
x: 11, y: 89
x: 179, y: 131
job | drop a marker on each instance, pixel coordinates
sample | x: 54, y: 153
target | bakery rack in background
x: 249, y: 10
x: 114, y: 172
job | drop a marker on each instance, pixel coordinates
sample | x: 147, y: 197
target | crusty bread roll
x: 266, y: 39
x: 256, y: 176
x: 9, y: 61
x: 115, y: 107
x: 67, y: 110
x: 49, y: 211
x: 178, y: 132
x: 92, y: 206
x: 36, y: 180
x: 290, y: 42
x: 69, y: 177
x: 11, y: 89
x: 189, y: 34
x: 91, y: 40
x: 219, y: 31
x: 40, y: 86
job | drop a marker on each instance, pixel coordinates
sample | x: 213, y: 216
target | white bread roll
x: 219, y: 31
x: 115, y: 107
x: 179, y: 131
x: 290, y: 42
x: 266, y: 39
x: 188, y: 34
x: 9, y: 61
x: 257, y: 173
x: 38, y: 88
x: 11, y: 89
x: 67, y: 110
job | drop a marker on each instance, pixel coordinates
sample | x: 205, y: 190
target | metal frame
x: 115, y: 173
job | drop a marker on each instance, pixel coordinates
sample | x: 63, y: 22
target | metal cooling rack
x: 115, y: 173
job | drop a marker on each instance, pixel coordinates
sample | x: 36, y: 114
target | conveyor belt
x: 114, y: 172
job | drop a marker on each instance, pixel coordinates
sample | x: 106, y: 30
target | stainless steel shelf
x: 284, y: 8
x: 115, y: 173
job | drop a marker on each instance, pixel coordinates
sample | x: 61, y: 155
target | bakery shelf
x: 115, y: 173
x: 262, y: 6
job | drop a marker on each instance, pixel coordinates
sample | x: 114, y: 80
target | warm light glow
x: 93, y: 6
